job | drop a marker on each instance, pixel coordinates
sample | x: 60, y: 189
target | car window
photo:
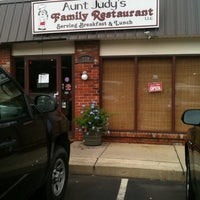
x: 12, y: 103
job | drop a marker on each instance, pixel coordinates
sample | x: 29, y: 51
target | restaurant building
x: 140, y: 60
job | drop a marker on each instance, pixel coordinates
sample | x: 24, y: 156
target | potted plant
x: 93, y: 122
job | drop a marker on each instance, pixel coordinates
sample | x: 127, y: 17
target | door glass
x: 42, y: 76
x: 66, y: 87
x: 19, y: 64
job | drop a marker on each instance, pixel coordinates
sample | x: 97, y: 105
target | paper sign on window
x: 43, y: 78
x: 155, y: 87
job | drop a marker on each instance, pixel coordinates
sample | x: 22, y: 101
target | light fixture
x: 84, y: 76
x: 148, y: 34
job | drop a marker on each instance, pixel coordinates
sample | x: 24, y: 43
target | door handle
x: 56, y: 94
x: 8, y: 144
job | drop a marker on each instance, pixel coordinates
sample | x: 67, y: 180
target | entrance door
x: 51, y: 75
x: 47, y: 74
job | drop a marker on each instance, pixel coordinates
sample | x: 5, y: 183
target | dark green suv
x: 34, y: 145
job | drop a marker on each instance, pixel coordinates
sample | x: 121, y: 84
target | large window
x: 151, y: 94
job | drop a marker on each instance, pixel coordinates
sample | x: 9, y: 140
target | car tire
x: 58, y: 176
x: 189, y: 191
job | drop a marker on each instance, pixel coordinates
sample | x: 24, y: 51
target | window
x: 118, y: 92
x: 187, y: 88
x: 42, y: 76
x: 12, y: 104
x: 154, y: 107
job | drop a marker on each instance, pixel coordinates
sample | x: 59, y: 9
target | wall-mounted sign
x: 83, y: 15
x: 155, y: 87
x: 85, y: 59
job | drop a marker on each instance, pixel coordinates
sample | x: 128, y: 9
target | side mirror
x: 191, y: 117
x: 45, y: 103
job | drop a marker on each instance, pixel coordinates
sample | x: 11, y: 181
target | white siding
x: 43, y: 48
x: 150, y: 47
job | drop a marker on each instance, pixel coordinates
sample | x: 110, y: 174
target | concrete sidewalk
x: 163, y: 162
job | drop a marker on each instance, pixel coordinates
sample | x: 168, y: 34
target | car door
x: 196, y: 161
x: 23, y: 146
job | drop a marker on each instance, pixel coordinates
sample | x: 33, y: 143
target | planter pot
x: 92, y: 140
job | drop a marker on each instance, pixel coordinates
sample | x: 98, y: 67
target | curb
x: 133, y: 169
x: 164, y: 163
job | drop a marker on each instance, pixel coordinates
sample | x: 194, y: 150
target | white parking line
x: 122, y: 189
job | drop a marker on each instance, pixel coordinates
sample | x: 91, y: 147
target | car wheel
x: 189, y: 191
x: 58, y: 176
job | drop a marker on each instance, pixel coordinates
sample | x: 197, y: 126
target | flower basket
x: 93, y: 122
x: 92, y: 140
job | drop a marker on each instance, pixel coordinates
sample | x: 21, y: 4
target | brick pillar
x: 5, y: 58
x: 86, y: 92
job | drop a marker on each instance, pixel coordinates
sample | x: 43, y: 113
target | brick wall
x: 146, y: 138
x: 5, y: 57
x: 87, y: 91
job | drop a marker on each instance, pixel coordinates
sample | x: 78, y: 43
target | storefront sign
x: 83, y: 15
x: 155, y: 87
